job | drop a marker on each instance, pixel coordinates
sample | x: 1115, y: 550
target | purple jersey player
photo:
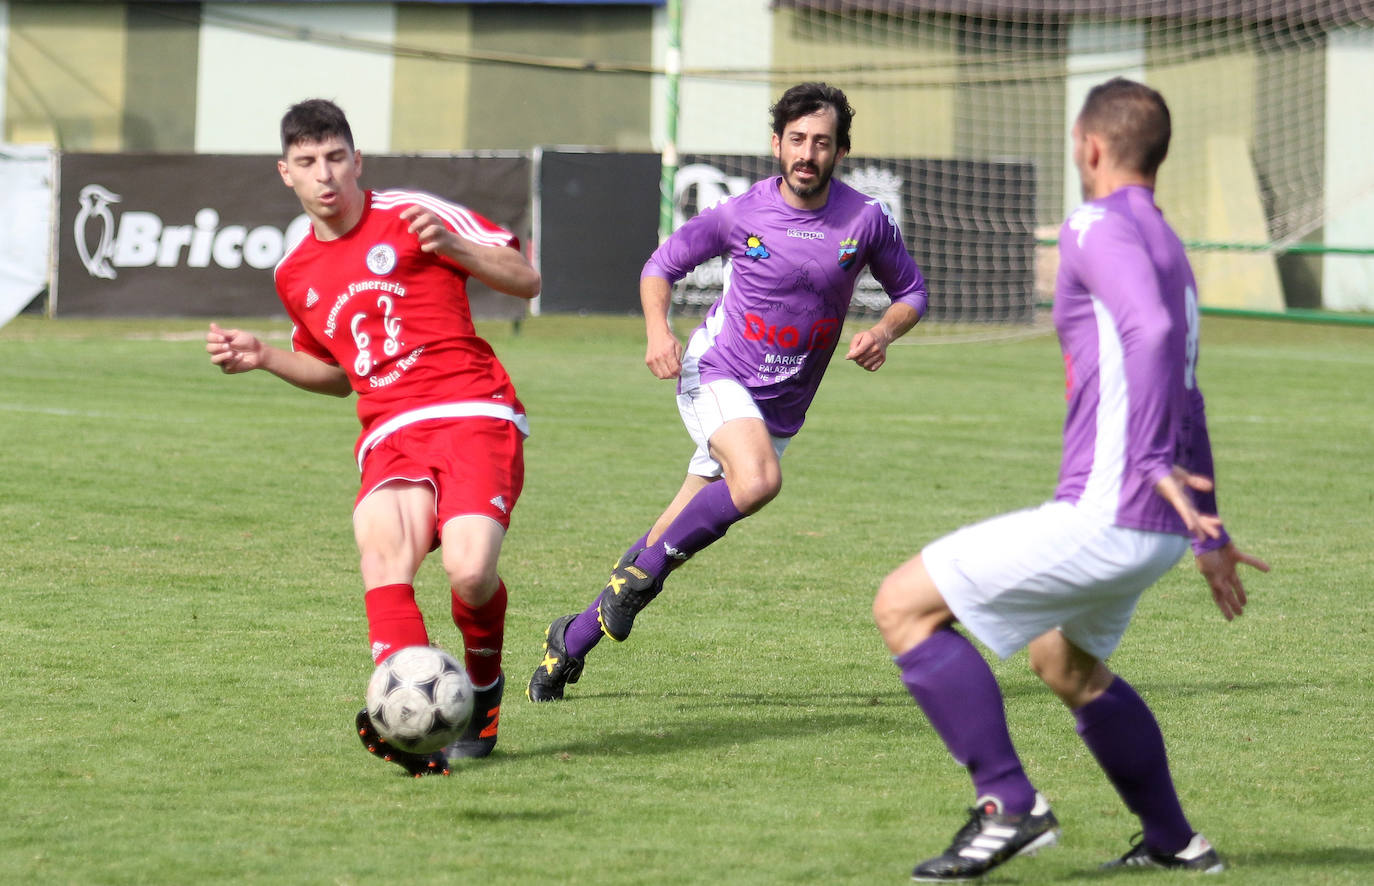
x: 1064, y: 578
x: 794, y: 247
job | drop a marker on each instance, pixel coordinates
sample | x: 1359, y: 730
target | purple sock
x: 958, y: 693
x: 705, y: 518
x: 583, y: 632
x: 1123, y: 735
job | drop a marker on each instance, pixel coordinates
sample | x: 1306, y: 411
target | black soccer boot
x: 558, y: 669
x: 415, y: 764
x: 989, y: 838
x: 479, y: 738
x: 1198, y: 855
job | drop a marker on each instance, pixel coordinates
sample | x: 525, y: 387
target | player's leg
x: 393, y: 525
x: 569, y: 638
x: 751, y: 477
x: 1121, y: 732
x: 959, y: 578
x: 471, y: 546
x: 733, y: 442
x: 952, y: 683
x: 479, y: 466
x: 698, y: 515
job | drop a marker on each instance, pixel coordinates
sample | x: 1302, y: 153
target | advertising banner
x: 977, y: 255
x: 598, y: 222
x: 198, y: 235
x: 25, y: 225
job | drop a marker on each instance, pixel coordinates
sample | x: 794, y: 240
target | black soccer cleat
x: 629, y: 590
x: 1198, y: 855
x: 990, y: 838
x: 415, y: 764
x: 479, y: 738
x: 558, y: 669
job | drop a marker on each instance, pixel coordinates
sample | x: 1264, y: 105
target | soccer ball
x: 419, y: 699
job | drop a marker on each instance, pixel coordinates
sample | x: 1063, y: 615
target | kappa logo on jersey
x: 754, y: 248
x: 381, y: 259
x: 1083, y: 218
x: 312, y: 298
x: 849, y: 252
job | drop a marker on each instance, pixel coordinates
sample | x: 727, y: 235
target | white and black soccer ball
x: 419, y: 699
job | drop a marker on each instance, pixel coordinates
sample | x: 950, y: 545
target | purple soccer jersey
x: 1125, y: 308
x: 790, y: 275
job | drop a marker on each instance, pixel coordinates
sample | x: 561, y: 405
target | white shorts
x: 705, y: 408
x: 1014, y: 577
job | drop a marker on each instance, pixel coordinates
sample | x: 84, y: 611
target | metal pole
x: 672, y: 68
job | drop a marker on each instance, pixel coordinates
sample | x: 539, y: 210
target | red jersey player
x: 377, y: 293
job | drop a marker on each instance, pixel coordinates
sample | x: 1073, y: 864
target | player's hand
x: 664, y: 356
x: 433, y: 234
x: 1219, y: 568
x: 233, y: 350
x: 1173, y: 489
x: 869, y: 349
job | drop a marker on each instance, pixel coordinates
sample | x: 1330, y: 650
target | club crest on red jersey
x: 381, y: 259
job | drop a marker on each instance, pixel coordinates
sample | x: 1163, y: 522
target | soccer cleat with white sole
x: 1198, y: 855
x: 990, y: 838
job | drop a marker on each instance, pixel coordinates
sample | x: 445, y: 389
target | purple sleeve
x: 1118, y: 271
x: 896, y: 270
x: 1195, y: 456
x: 699, y: 238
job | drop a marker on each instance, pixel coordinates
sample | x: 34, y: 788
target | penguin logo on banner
x: 95, y: 224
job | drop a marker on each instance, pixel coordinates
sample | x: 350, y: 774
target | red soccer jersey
x: 397, y: 318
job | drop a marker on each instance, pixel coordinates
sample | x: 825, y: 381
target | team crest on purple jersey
x: 849, y: 251
x: 754, y: 248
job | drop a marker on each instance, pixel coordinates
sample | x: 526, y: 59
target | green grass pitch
x: 184, y: 643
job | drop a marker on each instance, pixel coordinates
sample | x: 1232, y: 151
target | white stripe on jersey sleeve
x: 290, y: 252
x: 459, y: 218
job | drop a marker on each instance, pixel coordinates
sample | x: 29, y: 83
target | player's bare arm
x: 235, y: 351
x: 500, y: 267
x: 1219, y: 568
x: 1172, y: 488
x: 663, y: 355
x: 869, y: 347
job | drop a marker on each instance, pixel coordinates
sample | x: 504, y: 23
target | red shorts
x: 475, y: 465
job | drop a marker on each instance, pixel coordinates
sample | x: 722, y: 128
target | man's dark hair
x: 314, y: 120
x: 805, y: 99
x: 1134, y: 121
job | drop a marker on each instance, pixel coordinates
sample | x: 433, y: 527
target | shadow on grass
x: 790, y: 715
x: 1339, y: 858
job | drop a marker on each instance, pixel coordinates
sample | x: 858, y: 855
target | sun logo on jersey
x: 849, y: 252
x: 754, y: 248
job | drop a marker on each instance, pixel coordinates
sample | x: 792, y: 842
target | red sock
x: 393, y: 620
x: 483, y: 629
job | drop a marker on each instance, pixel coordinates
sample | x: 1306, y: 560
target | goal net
x: 963, y: 115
